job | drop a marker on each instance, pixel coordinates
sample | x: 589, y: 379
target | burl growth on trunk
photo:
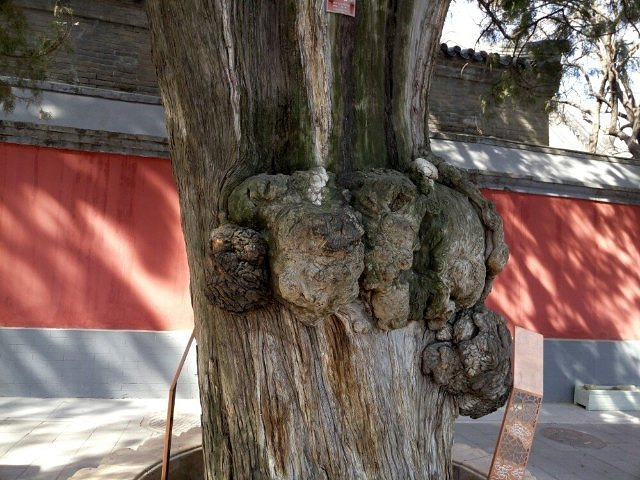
x: 381, y: 249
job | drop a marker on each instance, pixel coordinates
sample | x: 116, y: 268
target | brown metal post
x: 523, y: 408
x: 170, y: 408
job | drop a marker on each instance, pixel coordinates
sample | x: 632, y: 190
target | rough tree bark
x: 338, y: 269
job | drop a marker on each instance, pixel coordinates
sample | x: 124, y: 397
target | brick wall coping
x: 545, y: 171
x: 495, y: 163
x: 49, y: 86
x: 576, y: 154
x: 466, y: 154
x: 495, y: 58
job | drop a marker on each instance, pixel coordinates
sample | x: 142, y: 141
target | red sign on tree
x: 345, y: 7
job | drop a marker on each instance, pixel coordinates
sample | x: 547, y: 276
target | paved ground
x: 54, y: 439
x: 571, y: 443
x: 51, y: 439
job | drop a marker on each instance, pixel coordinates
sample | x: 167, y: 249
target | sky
x: 462, y: 25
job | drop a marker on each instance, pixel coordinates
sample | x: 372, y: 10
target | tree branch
x: 577, y: 106
x: 497, y: 22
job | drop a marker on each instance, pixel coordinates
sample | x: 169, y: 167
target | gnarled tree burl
x: 338, y: 268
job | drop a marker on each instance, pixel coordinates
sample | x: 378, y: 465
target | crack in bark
x: 389, y: 45
x: 346, y: 39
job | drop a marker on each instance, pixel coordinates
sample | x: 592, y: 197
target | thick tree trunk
x: 324, y: 360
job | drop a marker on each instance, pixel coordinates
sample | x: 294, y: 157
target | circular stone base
x: 185, y: 465
x: 188, y: 465
x: 145, y: 463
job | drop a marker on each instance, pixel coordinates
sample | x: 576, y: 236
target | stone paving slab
x: 57, y: 439
x: 52, y: 439
x: 612, y: 452
x: 565, y: 413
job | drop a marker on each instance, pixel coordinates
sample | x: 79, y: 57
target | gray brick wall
x: 455, y: 104
x: 37, y: 362
x: 604, y: 362
x: 110, y: 46
x: 111, y: 50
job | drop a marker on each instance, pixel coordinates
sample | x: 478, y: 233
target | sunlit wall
x: 574, y: 270
x: 93, y: 241
x: 90, y: 240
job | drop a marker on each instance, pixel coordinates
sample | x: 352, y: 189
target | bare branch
x: 600, y: 56
x: 630, y: 101
x: 631, y: 142
x: 585, y: 111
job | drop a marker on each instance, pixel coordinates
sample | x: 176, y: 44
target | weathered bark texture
x: 338, y: 269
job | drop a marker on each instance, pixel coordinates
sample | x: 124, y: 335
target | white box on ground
x: 606, y: 397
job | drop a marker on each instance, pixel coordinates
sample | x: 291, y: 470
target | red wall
x: 90, y: 240
x: 93, y: 240
x: 574, y: 270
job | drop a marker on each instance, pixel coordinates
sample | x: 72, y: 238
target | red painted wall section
x: 93, y: 240
x: 90, y: 240
x: 574, y: 270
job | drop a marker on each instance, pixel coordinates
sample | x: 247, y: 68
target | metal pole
x: 523, y: 408
x: 170, y: 408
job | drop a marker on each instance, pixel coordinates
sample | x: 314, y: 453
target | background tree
x: 598, y: 42
x: 338, y: 268
x: 24, y: 53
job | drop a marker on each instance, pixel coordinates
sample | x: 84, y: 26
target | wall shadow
x: 573, y: 276
x: 89, y: 241
x: 573, y: 270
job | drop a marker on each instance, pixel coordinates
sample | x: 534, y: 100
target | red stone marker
x: 521, y: 414
x: 345, y: 7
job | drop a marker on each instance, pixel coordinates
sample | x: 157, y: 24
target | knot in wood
x: 416, y: 246
x: 470, y: 357
x: 237, y: 274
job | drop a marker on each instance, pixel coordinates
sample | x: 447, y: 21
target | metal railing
x: 170, y: 408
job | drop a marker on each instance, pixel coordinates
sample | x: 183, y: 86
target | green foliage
x: 595, y: 42
x: 24, y: 54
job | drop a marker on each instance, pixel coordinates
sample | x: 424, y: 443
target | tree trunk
x: 337, y: 308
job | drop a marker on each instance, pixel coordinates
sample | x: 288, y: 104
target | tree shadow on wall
x: 573, y: 274
x: 88, y: 241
